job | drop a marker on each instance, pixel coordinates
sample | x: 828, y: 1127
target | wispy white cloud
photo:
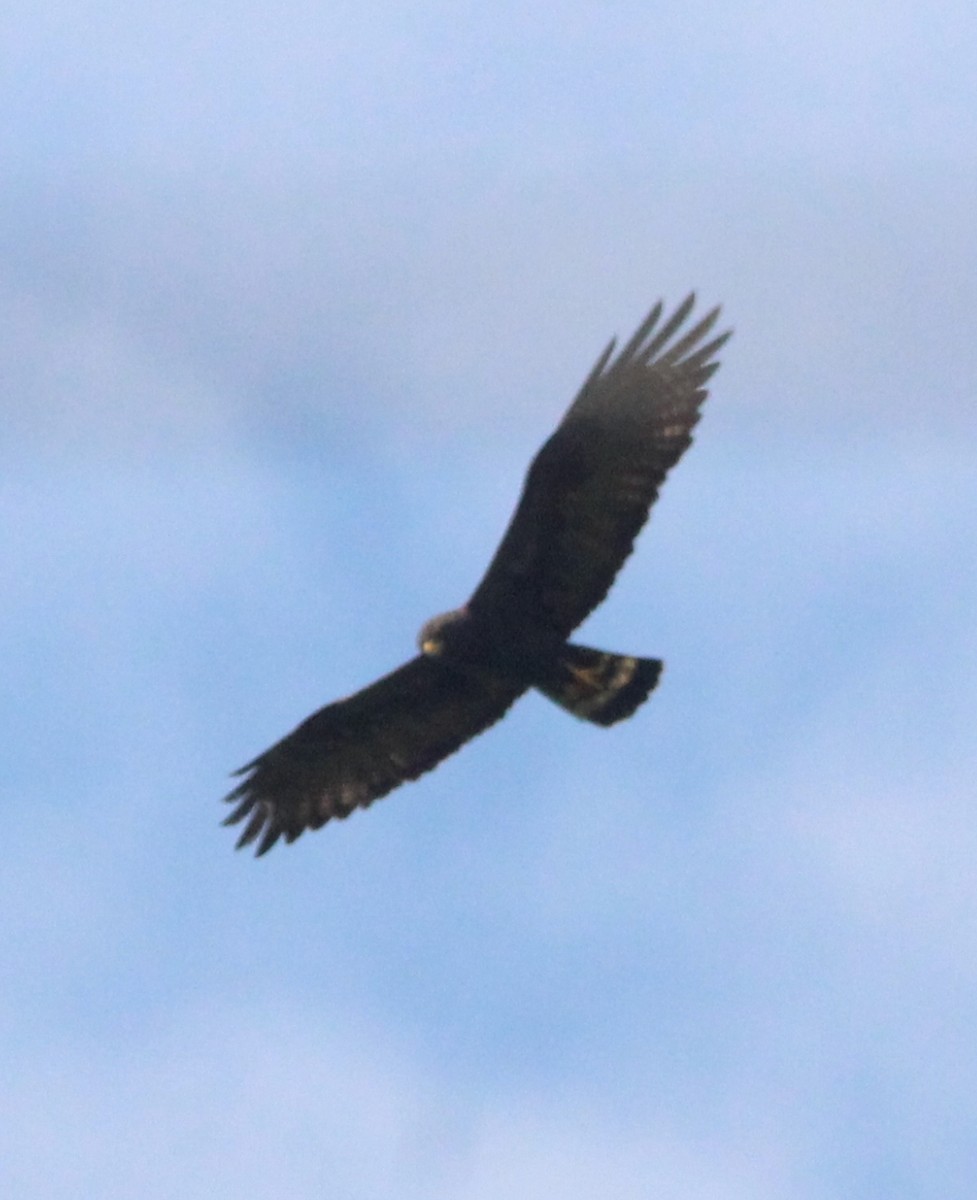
x: 266, y: 1097
x: 565, y: 85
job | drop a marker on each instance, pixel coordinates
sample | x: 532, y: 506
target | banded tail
x: 598, y: 686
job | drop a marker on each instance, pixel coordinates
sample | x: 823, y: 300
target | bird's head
x: 439, y: 634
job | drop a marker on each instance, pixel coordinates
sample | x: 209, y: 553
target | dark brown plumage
x: 586, y: 496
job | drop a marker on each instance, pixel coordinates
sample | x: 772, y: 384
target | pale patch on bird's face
x: 438, y: 631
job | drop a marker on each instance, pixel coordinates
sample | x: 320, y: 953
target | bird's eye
x: 431, y: 645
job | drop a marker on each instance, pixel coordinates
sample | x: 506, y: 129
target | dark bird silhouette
x: 586, y: 496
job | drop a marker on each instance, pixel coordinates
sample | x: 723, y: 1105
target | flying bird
x: 586, y: 495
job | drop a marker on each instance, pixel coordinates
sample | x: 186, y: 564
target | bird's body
x: 581, y: 680
x: 586, y: 496
x: 470, y: 641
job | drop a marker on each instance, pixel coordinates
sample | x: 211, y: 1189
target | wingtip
x: 685, y: 307
x: 268, y: 839
x: 249, y: 808
x: 601, y: 362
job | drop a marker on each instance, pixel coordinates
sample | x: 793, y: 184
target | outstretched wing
x: 350, y: 753
x: 590, y: 487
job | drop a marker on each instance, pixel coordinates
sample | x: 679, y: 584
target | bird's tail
x: 598, y: 686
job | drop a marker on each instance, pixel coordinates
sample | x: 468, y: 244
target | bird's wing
x: 590, y: 487
x: 350, y: 753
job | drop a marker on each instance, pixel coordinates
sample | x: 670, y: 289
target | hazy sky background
x: 289, y: 295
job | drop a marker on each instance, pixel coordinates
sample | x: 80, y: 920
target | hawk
x: 586, y: 496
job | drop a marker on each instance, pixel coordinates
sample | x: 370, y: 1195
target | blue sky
x: 290, y: 296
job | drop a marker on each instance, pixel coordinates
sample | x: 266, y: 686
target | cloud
x: 79, y: 386
x: 415, y: 309
x: 270, y: 1099
x: 568, y: 85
